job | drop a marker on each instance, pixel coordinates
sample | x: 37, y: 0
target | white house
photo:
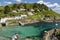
x: 14, y: 11
x: 30, y: 13
x: 23, y: 16
x: 18, y: 17
x: 3, y: 20
x: 32, y: 9
x: 22, y: 9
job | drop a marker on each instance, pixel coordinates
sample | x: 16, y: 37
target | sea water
x: 30, y: 30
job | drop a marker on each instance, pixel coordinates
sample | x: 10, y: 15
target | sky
x: 53, y: 4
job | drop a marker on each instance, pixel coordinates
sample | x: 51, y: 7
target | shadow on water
x: 38, y: 24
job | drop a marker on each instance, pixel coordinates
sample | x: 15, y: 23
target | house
x: 30, y: 13
x: 14, y: 11
x: 23, y: 16
x: 3, y: 20
x: 17, y: 17
x: 21, y: 9
x: 32, y: 10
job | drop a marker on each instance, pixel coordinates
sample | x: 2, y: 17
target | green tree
x: 7, y: 9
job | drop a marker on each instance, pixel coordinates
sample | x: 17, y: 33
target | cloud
x: 18, y: 1
x: 56, y: 9
x: 7, y: 2
x: 54, y: 6
x: 49, y: 4
x: 41, y: 2
x: 46, y: 3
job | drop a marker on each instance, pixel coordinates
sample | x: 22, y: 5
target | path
x: 48, y: 34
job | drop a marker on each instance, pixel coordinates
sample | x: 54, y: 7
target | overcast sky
x: 53, y: 4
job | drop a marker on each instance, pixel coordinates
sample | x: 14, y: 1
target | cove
x: 28, y: 30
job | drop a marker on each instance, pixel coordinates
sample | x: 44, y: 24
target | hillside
x: 31, y: 10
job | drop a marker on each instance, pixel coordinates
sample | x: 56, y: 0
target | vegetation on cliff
x: 38, y: 10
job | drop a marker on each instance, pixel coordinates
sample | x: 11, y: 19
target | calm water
x: 28, y: 30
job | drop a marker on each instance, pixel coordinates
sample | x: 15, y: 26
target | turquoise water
x: 30, y: 30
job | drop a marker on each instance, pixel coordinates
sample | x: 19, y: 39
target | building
x: 30, y: 13
x: 14, y: 11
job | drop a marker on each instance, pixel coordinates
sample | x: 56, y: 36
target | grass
x: 11, y: 20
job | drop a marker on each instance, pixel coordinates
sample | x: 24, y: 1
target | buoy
x: 56, y: 24
x: 45, y: 31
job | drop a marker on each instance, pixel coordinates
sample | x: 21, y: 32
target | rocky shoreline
x: 48, y: 35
